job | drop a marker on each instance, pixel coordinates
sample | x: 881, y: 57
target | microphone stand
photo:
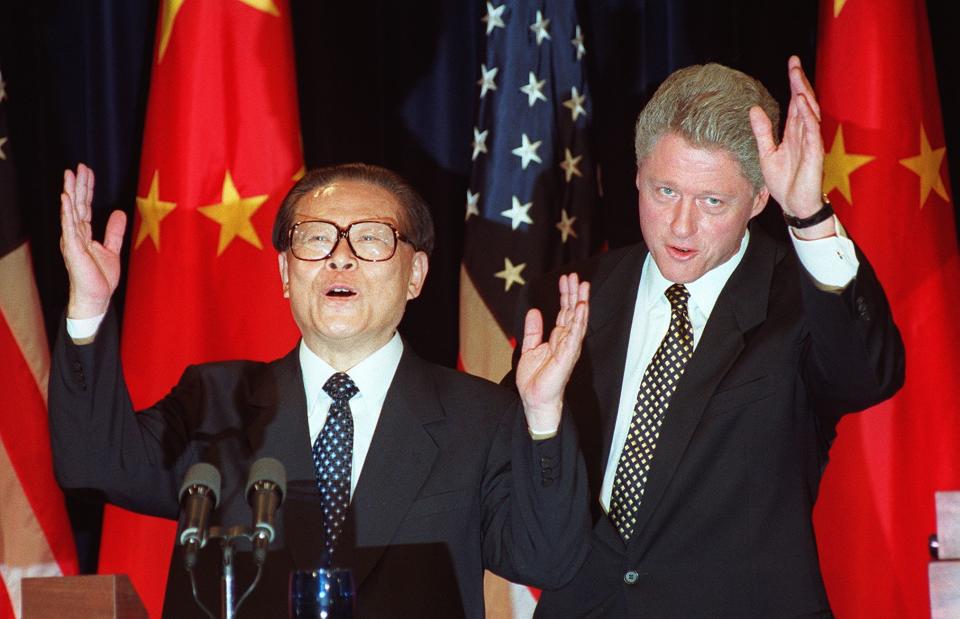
x: 228, y: 537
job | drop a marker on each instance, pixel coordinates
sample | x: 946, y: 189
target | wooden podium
x: 91, y: 597
x: 944, y: 572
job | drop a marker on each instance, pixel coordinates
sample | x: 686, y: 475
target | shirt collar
x: 372, y: 376
x: 703, y: 291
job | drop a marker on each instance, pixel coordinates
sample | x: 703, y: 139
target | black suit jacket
x: 725, y: 529
x: 452, y: 483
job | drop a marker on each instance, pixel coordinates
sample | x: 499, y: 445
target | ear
x: 418, y: 274
x: 637, y: 179
x: 284, y: 276
x: 759, y: 201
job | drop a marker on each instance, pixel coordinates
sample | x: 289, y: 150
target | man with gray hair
x: 718, y: 361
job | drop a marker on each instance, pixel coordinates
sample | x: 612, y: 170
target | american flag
x: 532, y: 200
x: 531, y: 204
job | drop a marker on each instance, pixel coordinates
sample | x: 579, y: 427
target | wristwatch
x: 825, y: 212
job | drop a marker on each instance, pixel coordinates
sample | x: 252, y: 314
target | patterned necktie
x: 656, y: 387
x: 333, y: 456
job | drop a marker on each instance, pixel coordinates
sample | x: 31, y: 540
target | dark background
x: 392, y: 83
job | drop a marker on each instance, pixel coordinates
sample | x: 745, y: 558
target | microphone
x: 266, y: 487
x: 199, y: 495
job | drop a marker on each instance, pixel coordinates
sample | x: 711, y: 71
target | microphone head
x: 270, y: 470
x: 202, y: 474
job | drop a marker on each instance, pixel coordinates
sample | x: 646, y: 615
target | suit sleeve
x: 99, y: 444
x: 853, y: 357
x: 536, y: 520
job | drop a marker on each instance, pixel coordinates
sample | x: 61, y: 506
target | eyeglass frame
x: 344, y: 233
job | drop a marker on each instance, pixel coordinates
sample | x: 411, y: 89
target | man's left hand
x: 793, y: 171
x: 545, y: 366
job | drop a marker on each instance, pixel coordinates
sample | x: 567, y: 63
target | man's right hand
x: 93, y: 267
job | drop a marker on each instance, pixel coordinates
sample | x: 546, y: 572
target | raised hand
x: 545, y: 366
x: 93, y: 267
x: 793, y: 171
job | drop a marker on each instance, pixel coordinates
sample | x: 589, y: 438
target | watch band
x: 825, y: 212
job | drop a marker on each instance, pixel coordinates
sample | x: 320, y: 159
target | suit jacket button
x: 631, y: 577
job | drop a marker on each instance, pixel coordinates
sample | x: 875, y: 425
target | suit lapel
x: 741, y: 306
x: 278, y: 424
x: 605, y: 346
x: 400, y: 458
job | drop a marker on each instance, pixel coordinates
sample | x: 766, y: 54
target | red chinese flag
x: 221, y: 148
x: 35, y: 535
x: 886, y: 173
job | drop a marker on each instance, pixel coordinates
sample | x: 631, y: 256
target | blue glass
x: 322, y: 594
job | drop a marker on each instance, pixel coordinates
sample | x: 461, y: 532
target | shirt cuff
x: 83, y: 330
x: 831, y: 261
x: 542, y: 436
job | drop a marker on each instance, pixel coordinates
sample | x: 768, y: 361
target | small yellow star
x: 233, y: 214
x: 152, y: 211
x: 565, y: 226
x: 837, y: 7
x: 3, y: 155
x: 170, y: 9
x: 570, y: 163
x: 511, y: 274
x: 838, y: 165
x: 927, y: 166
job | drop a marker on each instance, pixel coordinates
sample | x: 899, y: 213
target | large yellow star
x: 170, y: 9
x: 511, y: 274
x: 233, y: 214
x: 152, y: 211
x: 927, y: 166
x: 838, y: 165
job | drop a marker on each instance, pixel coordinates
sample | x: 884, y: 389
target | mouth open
x: 681, y: 252
x: 340, y: 292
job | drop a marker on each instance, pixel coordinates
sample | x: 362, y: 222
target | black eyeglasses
x: 371, y: 241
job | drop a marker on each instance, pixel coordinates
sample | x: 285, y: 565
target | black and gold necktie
x: 656, y: 387
x: 333, y: 456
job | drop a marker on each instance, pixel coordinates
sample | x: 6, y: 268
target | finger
x: 532, y: 330
x: 762, y: 131
x: 70, y: 184
x: 113, y: 236
x: 800, y: 85
x: 82, y: 196
x: 583, y: 292
x: 68, y: 226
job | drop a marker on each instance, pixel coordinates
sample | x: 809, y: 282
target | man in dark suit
x: 413, y: 476
x: 718, y: 361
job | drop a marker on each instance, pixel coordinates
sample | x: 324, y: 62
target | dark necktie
x: 333, y: 456
x: 656, y: 387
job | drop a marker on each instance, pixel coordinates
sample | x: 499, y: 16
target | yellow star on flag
x: 152, y: 211
x: 233, y: 214
x: 565, y: 226
x: 838, y: 165
x: 511, y: 274
x: 170, y: 9
x: 927, y: 166
x: 837, y: 7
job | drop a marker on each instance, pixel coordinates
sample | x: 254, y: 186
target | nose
x: 342, y: 258
x: 684, y: 221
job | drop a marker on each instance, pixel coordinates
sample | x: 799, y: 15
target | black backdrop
x: 391, y: 83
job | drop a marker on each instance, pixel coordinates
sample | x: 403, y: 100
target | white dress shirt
x: 831, y: 261
x: 372, y: 377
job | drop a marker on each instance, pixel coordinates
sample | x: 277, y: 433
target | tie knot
x: 677, y: 294
x: 340, y: 387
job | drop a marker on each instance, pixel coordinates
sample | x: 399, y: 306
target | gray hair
x: 708, y: 105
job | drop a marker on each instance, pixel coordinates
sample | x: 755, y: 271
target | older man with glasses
x: 413, y: 476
